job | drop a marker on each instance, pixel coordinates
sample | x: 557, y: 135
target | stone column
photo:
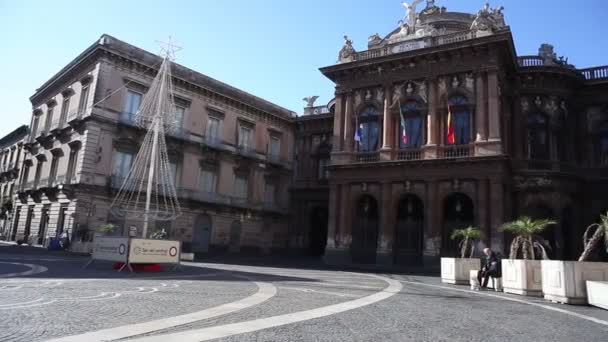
x: 335, y: 252
x: 349, y: 132
x: 493, y: 107
x: 338, y: 123
x: 481, y: 114
x: 388, y: 127
x: 432, y: 122
x: 497, y: 217
x: 386, y: 233
x: 346, y: 215
x: 432, y: 230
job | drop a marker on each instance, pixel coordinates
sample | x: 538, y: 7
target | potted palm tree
x: 565, y: 281
x: 523, y: 276
x: 457, y: 270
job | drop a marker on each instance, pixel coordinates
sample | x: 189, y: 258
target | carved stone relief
x: 470, y: 82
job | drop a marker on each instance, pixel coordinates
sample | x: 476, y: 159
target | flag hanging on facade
x: 358, y: 130
x: 403, y: 131
x: 450, y: 126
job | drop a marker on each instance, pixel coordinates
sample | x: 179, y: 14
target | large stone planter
x: 564, y: 281
x: 597, y: 293
x: 457, y: 270
x: 522, y: 277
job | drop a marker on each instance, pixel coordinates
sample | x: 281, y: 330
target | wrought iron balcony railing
x: 409, y: 154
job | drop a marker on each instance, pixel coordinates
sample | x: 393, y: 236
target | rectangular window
x: 37, y: 176
x: 84, y: 96
x: 179, y: 116
x: 72, y: 165
x: 173, y: 173
x: 322, y: 172
x: 49, y: 120
x: 122, y: 164
x: 64, y: 111
x: 26, y: 174
x: 213, y: 128
x: 240, y: 187
x: 53, y: 173
x: 274, y: 146
x: 208, y: 181
x: 269, y: 193
x: 34, y: 127
x: 244, y: 137
x: 131, y: 104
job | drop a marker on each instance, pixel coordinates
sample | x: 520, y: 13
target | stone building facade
x: 231, y: 160
x: 440, y: 125
x: 437, y: 126
x: 11, y: 161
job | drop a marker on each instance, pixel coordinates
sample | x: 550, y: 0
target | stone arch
x: 409, y: 230
x: 365, y: 230
x: 458, y: 212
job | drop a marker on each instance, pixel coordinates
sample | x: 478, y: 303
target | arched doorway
x: 365, y: 231
x: 201, y: 234
x: 235, y: 236
x: 318, y: 231
x: 407, y: 248
x: 458, y: 213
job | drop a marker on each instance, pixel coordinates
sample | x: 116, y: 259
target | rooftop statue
x: 310, y: 101
x: 410, y: 13
x: 347, y: 51
x: 488, y: 19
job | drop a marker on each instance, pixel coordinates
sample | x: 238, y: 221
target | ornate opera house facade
x: 441, y: 125
x: 437, y: 125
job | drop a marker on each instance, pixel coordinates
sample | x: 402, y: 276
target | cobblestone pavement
x: 50, y: 297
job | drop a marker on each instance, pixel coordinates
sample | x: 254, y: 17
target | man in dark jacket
x: 490, y: 267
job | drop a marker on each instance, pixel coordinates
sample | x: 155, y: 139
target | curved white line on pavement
x: 265, y: 292
x: 33, y: 269
x: 220, y: 331
x: 28, y: 306
x: 21, y: 303
x: 547, y: 307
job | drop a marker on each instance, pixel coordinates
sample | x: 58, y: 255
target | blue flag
x: 358, y: 134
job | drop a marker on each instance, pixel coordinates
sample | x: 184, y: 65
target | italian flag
x: 450, y: 125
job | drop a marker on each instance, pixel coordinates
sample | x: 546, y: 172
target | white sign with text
x: 110, y: 248
x: 154, y: 251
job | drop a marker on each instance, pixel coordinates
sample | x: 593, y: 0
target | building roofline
x: 119, y: 47
x: 18, y: 134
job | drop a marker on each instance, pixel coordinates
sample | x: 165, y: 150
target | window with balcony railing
x: 208, y: 180
x: 411, y: 126
x: 367, y: 130
x: 38, y: 174
x: 241, y: 187
x: 458, y: 121
x: 274, y: 148
x: 244, y: 139
x: 54, y: 163
x: 131, y: 104
x: 71, y: 172
x: 122, y: 164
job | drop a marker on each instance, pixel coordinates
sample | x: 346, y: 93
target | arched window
x: 411, y: 124
x: 538, y: 137
x: 461, y: 119
x: 368, y: 131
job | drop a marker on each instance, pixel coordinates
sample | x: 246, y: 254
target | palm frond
x: 470, y: 232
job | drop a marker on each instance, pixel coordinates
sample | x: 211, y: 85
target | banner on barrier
x: 154, y: 251
x: 110, y: 248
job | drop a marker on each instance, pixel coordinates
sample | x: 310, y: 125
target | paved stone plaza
x: 50, y: 297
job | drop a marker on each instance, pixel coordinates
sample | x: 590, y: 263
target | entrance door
x: 409, y: 231
x: 44, y: 223
x: 235, y: 236
x: 457, y: 214
x: 365, y: 231
x: 28, y: 224
x: 318, y: 231
x: 202, y: 234
x: 15, y: 223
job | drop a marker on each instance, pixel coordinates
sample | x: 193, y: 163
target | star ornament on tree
x: 168, y: 48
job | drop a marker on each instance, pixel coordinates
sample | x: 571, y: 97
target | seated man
x: 489, y: 267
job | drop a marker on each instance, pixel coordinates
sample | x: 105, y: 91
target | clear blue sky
x: 271, y: 48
